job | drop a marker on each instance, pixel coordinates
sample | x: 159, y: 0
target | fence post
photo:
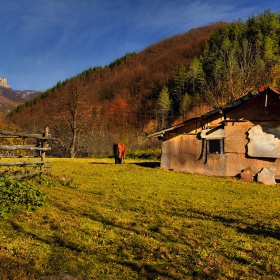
x: 41, y: 146
x: 45, y: 145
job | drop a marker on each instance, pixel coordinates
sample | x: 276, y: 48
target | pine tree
x: 240, y: 58
x: 163, y: 106
x: 196, y: 75
x: 179, y: 86
x: 185, y: 105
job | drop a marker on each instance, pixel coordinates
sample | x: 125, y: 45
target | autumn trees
x: 165, y: 83
x: 238, y: 59
x: 242, y: 57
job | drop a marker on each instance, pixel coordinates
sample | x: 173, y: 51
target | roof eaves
x: 262, y: 89
x: 161, y: 132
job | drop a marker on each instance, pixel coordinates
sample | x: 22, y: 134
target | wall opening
x: 215, y: 146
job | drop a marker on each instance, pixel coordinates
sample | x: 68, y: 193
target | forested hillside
x: 10, y: 98
x: 167, y: 82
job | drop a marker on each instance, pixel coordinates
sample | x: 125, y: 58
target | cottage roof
x: 161, y: 132
x: 227, y: 108
x: 263, y: 89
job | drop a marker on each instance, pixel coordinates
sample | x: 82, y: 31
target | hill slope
x: 10, y: 98
x: 116, y: 102
x: 175, y: 79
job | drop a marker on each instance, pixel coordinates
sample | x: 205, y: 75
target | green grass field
x: 137, y: 221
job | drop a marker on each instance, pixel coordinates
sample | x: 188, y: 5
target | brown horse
x: 119, y: 149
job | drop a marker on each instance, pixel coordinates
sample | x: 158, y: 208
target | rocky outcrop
x: 4, y: 82
x: 10, y: 98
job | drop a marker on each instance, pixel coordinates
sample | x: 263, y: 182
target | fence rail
x: 23, y: 147
x: 40, y: 148
x: 23, y: 163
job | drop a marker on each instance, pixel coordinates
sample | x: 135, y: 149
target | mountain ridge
x: 9, y: 98
x: 104, y: 104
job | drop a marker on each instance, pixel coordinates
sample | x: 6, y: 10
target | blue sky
x: 46, y: 41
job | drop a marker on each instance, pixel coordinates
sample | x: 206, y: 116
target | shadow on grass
x: 148, y: 271
x: 98, y: 217
x: 57, y: 241
x: 12, y: 268
x: 148, y: 164
x: 255, y: 229
x: 96, y: 162
x: 23, y: 266
x: 259, y: 230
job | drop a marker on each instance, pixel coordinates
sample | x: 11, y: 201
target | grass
x: 137, y: 221
x: 141, y: 154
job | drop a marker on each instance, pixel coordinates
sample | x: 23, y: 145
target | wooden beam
x: 26, y: 135
x: 23, y: 163
x: 41, y: 146
x: 23, y: 147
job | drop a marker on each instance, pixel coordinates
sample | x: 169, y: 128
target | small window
x: 215, y: 146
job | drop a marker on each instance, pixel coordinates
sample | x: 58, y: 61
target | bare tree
x: 71, y: 120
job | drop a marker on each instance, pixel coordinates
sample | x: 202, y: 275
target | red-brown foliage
x: 125, y: 94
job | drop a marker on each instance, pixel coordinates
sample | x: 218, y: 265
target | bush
x: 15, y: 193
x: 151, y: 153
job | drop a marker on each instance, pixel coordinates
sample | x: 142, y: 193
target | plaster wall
x: 185, y: 153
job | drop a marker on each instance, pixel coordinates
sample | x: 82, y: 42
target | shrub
x: 151, y: 153
x: 15, y: 193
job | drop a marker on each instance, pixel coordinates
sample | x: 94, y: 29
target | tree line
x: 237, y: 59
x: 170, y: 81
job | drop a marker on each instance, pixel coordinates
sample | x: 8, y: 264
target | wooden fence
x: 32, y: 146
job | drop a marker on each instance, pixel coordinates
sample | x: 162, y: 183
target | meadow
x: 138, y: 221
